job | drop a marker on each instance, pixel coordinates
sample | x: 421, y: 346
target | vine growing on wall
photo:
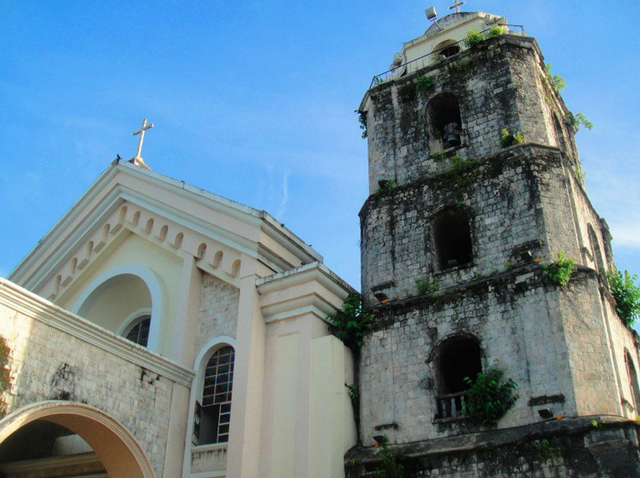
x: 626, y: 294
x: 5, y: 374
x: 362, y: 119
x: 350, y: 323
x: 391, y: 462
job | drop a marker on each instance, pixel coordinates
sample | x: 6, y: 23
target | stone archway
x: 115, y: 446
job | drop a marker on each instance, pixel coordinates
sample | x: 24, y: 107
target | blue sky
x: 254, y: 101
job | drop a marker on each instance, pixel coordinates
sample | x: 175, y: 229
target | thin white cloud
x: 626, y: 234
x: 285, y: 194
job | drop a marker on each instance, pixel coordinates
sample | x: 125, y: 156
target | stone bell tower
x: 475, y: 185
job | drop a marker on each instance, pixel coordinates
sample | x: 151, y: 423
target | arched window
x: 458, y: 357
x: 595, y: 250
x: 560, y: 140
x: 444, y: 122
x: 633, y: 380
x: 138, y: 330
x: 213, y: 417
x: 452, y: 238
x: 446, y: 48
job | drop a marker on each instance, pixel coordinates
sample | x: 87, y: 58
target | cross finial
x: 456, y: 5
x: 137, y: 159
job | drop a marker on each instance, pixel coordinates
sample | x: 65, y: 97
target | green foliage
x: 354, y: 396
x: 577, y: 120
x: 391, y: 464
x: 594, y: 423
x: 508, y: 139
x: 5, y: 374
x: 496, y: 31
x: 387, y: 188
x: 439, y: 156
x: 508, y: 266
x: 362, y: 118
x: 377, y: 80
x: 350, y: 323
x: 547, y: 451
x: 460, y: 174
x: 559, y: 271
x: 489, y: 398
x: 557, y: 82
x: 425, y: 286
x: 424, y: 83
x: 627, y: 295
x: 461, y: 65
x: 580, y: 174
x: 473, y: 38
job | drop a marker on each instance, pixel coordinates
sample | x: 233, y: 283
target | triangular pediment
x: 170, y: 216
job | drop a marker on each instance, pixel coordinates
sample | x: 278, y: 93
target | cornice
x: 321, y: 302
x: 37, y: 308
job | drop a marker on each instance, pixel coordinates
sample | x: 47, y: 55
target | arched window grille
x: 139, y: 332
x: 213, y: 423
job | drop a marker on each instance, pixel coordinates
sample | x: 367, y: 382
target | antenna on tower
x: 432, y: 15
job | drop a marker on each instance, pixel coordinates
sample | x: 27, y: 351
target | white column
x: 243, y: 459
x: 187, y: 310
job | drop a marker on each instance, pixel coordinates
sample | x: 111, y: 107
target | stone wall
x: 500, y: 83
x: 501, y: 195
x: 218, y: 310
x: 573, y: 448
x: 56, y: 355
x: 506, y: 312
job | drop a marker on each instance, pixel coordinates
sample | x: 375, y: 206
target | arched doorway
x: 114, y: 446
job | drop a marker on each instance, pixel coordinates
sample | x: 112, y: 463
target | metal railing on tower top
x: 425, y: 60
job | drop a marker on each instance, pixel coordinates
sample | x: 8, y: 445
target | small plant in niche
x: 559, y: 271
x: 424, y: 83
x: 626, y: 294
x: 547, y: 451
x: 377, y: 80
x: 349, y: 324
x: 362, y: 118
x: 489, y: 397
x: 387, y: 188
x: 509, y: 139
x: 473, y: 38
x: 391, y: 462
x: 496, y: 31
x: 425, y: 286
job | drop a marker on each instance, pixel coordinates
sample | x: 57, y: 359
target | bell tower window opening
x: 444, y: 122
x: 452, y: 237
x: 216, y: 397
x: 459, y: 357
x: 139, y: 333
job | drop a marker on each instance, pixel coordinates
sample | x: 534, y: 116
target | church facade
x: 159, y: 330
x: 192, y: 327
